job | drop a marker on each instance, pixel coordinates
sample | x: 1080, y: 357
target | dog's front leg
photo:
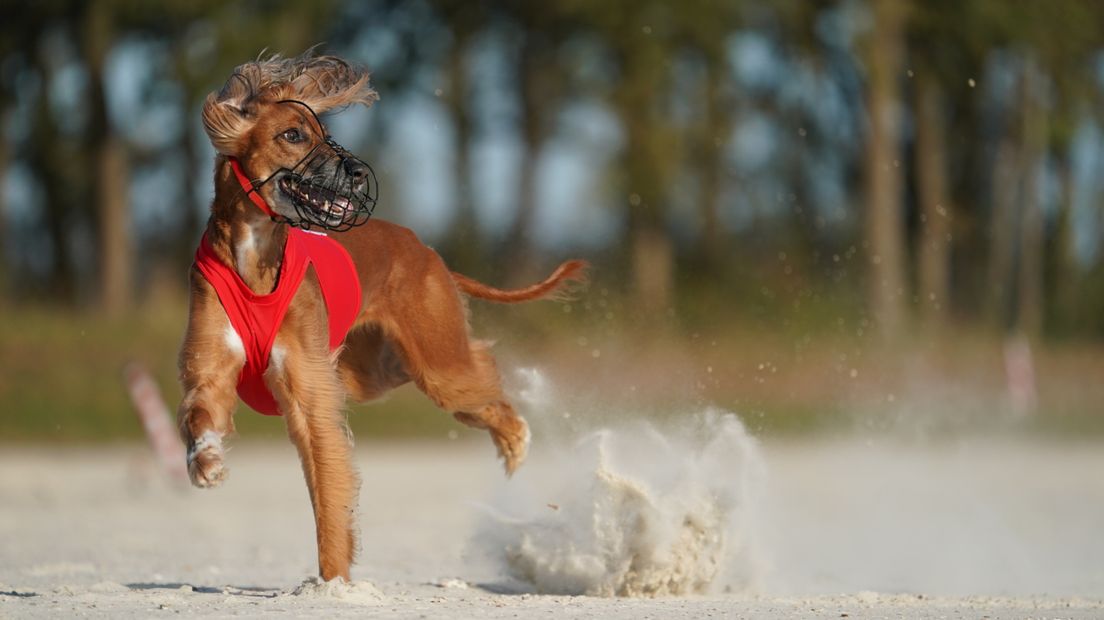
x: 211, y: 360
x: 306, y: 385
x: 205, y: 418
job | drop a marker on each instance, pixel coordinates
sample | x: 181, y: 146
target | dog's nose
x: 355, y: 169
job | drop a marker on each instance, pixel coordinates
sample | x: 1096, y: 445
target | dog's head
x: 266, y: 117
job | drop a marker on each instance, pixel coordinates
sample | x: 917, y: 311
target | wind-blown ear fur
x: 321, y: 82
x: 327, y: 82
x: 227, y: 114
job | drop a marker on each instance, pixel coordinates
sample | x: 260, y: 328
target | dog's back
x: 386, y: 254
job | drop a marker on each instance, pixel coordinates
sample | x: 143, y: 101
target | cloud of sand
x: 631, y: 509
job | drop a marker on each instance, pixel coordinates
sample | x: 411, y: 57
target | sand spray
x: 630, y: 508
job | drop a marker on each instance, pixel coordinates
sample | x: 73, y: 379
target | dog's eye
x: 292, y: 135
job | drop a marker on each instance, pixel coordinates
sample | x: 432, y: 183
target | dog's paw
x: 205, y: 467
x: 512, y: 444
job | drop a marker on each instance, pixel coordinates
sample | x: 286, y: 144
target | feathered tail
x: 551, y: 288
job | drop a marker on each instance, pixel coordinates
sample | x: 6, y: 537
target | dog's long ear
x: 228, y: 114
x: 326, y: 82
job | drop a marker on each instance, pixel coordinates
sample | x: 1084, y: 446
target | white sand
x: 1003, y: 529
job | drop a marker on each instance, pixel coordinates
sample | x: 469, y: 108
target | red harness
x: 257, y: 318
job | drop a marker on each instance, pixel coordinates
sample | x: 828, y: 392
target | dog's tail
x: 553, y: 287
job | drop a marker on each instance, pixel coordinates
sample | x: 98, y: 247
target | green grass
x: 61, y: 378
x: 61, y: 372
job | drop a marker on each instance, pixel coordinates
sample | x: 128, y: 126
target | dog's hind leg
x: 509, y: 431
x: 471, y: 389
x: 424, y: 322
x: 306, y: 386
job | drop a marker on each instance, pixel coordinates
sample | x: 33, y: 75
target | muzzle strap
x: 249, y: 189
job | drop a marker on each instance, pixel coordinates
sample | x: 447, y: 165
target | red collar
x: 249, y: 188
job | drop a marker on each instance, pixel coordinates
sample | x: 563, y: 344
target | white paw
x: 205, y: 467
x: 513, y: 448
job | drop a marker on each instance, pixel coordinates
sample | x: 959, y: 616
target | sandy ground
x: 847, y: 528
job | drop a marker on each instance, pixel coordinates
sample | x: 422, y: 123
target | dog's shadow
x: 505, y: 588
x: 250, y: 591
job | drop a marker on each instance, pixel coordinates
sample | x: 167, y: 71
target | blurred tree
x: 715, y: 124
x: 1066, y: 50
x: 1063, y: 265
x: 979, y: 180
x: 190, y: 65
x: 28, y: 67
x: 639, y: 36
x: 5, y: 118
x: 47, y: 151
x: 885, y: 233
x: 944, y: 58
x: 13, y: 48
x: 461, y: 21
x: 1001, y: 228
x: 1029, y: 315
x: 1053, y: 48
x: 934, y: 250
x: 704, y: 27
x: 110, y: 172
x: 817, y: 47
x: 540, y: 83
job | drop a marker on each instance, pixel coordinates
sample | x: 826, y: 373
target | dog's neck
x: 242, y: 236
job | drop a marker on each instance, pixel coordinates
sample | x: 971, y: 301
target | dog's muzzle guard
x: 329, y: 187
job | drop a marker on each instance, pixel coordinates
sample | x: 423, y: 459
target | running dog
x: 296, y: 321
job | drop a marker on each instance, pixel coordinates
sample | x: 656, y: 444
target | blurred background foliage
x: 816, y: 213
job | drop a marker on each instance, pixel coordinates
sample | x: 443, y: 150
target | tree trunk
x: 1003, y: 226
x: 44, y: 153
x: 646, y: 157
x: 462, y: 244
x: 716, y: 123
x: 193, y: 216
x: 1065, y: 270
x: 653, y: 260
x: 116, y: 253
x: 1029, y: 315
x: 5, y: 291
x: 652, y: 255
x: 935, y: 208
x: 193, y: 219
x: 884, y: 218
x: 518, y: 246
x: 110, y: 181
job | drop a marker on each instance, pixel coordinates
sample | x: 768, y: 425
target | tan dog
x: 412, y: 324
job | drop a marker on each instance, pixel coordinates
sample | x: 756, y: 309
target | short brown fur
x: 412, y: 325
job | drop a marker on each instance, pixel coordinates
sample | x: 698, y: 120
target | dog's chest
x: 256, y: 319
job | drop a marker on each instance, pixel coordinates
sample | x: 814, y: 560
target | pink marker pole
x: 156, y: 420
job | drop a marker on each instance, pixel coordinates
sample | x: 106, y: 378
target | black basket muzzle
x: 330, y: 187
